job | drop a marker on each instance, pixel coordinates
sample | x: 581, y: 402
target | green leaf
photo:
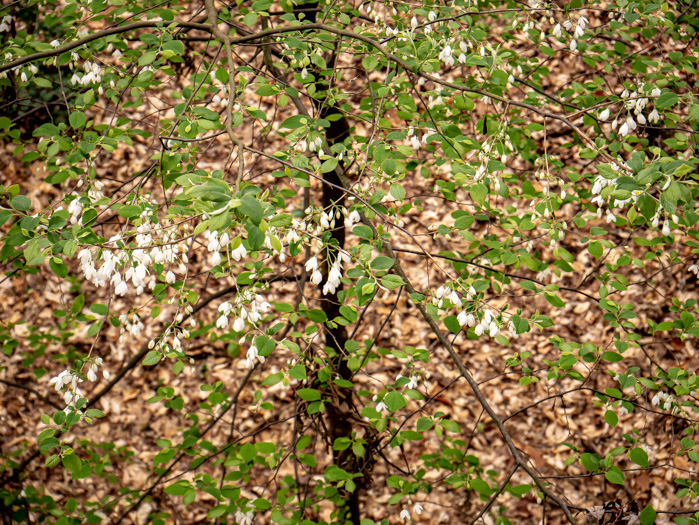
x: 282, y: 219
x: 452, y: 324
x: 639, y: 456
x: 397, y: 191
x: 595, y: 249
x: 308, y: 394
x: 554, y: 300
x: 99, y: 309
x: 450, y: 426
x: 178, y: 488
x: 72, y: 463
x: 21, y: 203
x: 303, y: 442
x: 273, y: 379
x: 391, y: 282
x: 382, y: 263
x: 478, y: 193
x: 58, y: 266
x: 251, y: 207
x: 256, y: 237
x: 666, y: 100
x: 363, y: 231
x: 317, y: 316
x: 147, y: 58
x: 519, y: 490
x: 615, y: 475
x: 394, y: 401
x: 295, y: 122
x: 369, y: 62
x: 77, y: 119
x: 648, y: 516
x: 46, y: 130
x: 175, y: 46
x: 78, y: 304
x: 152, y: 358
x: 130, y: 211
x: 328, y: 166
x: 611, y: 418
x: 480, y: 486
x: 612, y: 357
x: 590, y: 461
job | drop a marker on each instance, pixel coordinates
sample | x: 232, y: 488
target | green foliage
x: 334, y: 130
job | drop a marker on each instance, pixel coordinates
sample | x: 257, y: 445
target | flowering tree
x: 404, y: 234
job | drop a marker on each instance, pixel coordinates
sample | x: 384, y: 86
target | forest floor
x: 137, y: 427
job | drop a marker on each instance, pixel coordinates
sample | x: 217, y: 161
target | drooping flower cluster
x: 334, y: 274
x: 248, y: 306
x: 635, y: 103
x: 6, y: 23
x: 578, y: 32
x: 121, y: 265
x: 447, y: 297
x: 220, y: 99
x: 601, y: 181
x: 664, y: 400
x: 244, y: 518
x: 71, y: 379
x: 132, y: 325
x: 251, y: 355
x: 68, y: 382
x: 92, y: 74
x: 413, y: 139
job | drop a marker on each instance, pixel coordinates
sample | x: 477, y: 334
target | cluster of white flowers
x: 315, y: 223
x: 444, y: 292
x: 175, y: 330
x: 76, y: 206
x: 6, y: 23
x: 136, y: 262
x: 488, y: 323
x: 93, y: 367
x: 132, y: 325
x: 71, y: 379
x: 247, y: 306
x: 489, y: 152
x: 115, y: 51
x: 244, y: 518
x: 221, y: 97
x: 578, y: 32
x: 405, y: 513
x: 413, y: 139
x: 314, y: 142
x: 216, y: 242
x: 663, y: 400
x: 694, y: 269
x: 92, y: 74
x: 252, y: 354
x: 600, y: 183
x: 334, y: 274
x: 30, y: 70
x: 635, y: 103
x: 446, y: 55
x: 381, y: 406
x: 543, y: 274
